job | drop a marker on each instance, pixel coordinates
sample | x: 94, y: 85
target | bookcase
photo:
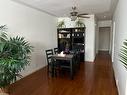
x: 72, y: 39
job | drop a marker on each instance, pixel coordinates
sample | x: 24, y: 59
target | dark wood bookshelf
x: 72, y: 38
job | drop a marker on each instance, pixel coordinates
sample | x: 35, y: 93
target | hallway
x: 92, y: 79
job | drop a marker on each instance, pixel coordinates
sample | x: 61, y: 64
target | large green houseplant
x: 61, y: 24
x: 14, y: 56
x: 123, y: 54
x: 79, y: 23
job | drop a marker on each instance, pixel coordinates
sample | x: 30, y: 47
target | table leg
x: 52, y: 67
x: 71, y: 69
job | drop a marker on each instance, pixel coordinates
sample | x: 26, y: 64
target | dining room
x: 61, y: 48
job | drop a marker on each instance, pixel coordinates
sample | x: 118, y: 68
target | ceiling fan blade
x: 83, y: 16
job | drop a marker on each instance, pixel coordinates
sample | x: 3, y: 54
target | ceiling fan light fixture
x: 73, y: 18
x: 74, y: 14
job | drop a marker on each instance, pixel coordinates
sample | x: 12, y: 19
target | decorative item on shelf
x: 76, y: 30
x: 62, y: 54
x: 63, y: 41
x: 60, y: 36
x: 65, y: 35
x: 79, y: 23
x: 123, y: 54
x: 14, y: 56
x: 61, y: 24
x: 67, y: 48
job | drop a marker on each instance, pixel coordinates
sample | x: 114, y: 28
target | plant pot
x: 4, y: 91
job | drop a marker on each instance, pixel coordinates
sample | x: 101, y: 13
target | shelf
x: 78, y: 31
x: 77, y: 37
x: 78, y: 34
x: 71, y: 28
x: 64, y: 38
x: 78, y: 43
x: 64, y: 32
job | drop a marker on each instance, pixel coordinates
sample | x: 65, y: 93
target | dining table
x: 65, y: 57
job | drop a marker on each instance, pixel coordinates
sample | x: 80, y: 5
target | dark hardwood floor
x: 92, y: 79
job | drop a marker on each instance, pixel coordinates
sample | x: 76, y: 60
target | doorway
x: 104, y: 39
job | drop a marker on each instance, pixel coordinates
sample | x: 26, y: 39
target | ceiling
x: 103, y: 9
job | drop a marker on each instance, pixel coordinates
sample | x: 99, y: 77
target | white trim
x: 22, y: 3
x: 116, y: 80
x: 113, y: 41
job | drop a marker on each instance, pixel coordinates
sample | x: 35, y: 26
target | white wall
x: 96, y: 36
x: 120, y: 19
x: 107, y: 23
x: 90, y: 35
x: 37, y: 27
x: 90, y: 38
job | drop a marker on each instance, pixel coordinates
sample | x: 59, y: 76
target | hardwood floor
x: 92, y: 79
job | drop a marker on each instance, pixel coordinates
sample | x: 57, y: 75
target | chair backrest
x: 49, y: 54
x: 55, y: 50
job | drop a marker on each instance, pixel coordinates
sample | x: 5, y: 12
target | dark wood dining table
x: 67, y: 57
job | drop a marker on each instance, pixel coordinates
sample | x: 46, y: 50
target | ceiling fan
x: 74, y: 14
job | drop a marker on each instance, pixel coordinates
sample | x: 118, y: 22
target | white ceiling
x: 102, y: 8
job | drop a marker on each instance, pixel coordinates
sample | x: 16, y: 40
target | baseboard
x: 103, y: 50
x: 32, y: 73
x: 89, y: 62
x: 116, y: 80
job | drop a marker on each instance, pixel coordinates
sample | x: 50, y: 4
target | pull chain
x: 75, y: 3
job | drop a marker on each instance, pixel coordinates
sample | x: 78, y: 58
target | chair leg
x: 48, y: 69
x: 55, y: 73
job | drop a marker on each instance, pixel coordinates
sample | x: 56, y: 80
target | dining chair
x: 77, y: 60
x: 49, y: 54
x: 55, y: 50
x: 52, y: 68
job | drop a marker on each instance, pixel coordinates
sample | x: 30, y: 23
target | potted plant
x: 79, y: 23
x: 123, y: 54
x: 61, y: 24
x: 14, y: 56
